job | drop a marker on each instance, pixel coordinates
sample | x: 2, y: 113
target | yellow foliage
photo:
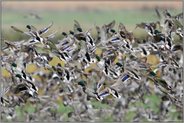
x: 59, y: 99
x: 41, y: 91
x: 55, y: 60
x: 37, y: 78
x: 153, y: 60
x: 116, y: 60
x: 39, y: 44
x: 31, y: 68
x: 93, y: 65
x: 98, y: 51
x: 6, y: 73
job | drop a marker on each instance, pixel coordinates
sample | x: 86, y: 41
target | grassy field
x: 63, y: 20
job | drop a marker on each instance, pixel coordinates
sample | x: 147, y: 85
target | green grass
x: 99, y: 105
x: 63, y: 20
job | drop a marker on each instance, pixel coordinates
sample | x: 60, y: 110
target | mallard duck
x: 35, y: 34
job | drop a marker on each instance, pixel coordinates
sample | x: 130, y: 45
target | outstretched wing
x: 31, y: 28
x: 122, y: 27
x: 158, y: 13
x: 16, y: 29
x: 111, y: 24
x: 77, y: 27
x: 44, y: 30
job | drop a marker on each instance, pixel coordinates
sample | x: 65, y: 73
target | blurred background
x: 88, y: 13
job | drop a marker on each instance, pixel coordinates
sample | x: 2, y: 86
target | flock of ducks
x: 99, y: 66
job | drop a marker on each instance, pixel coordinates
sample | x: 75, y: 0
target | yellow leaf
x: 153, y: 59
x: 31, y: 68
x: 39, y: 44
x: 41, y: 91
x: 91, y: 66
x: 55, y: 60
x: 6, y: 73
x: 37, y: 78
x: 98, y: 51
x: 116, y: 60
x: 59, y: 99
